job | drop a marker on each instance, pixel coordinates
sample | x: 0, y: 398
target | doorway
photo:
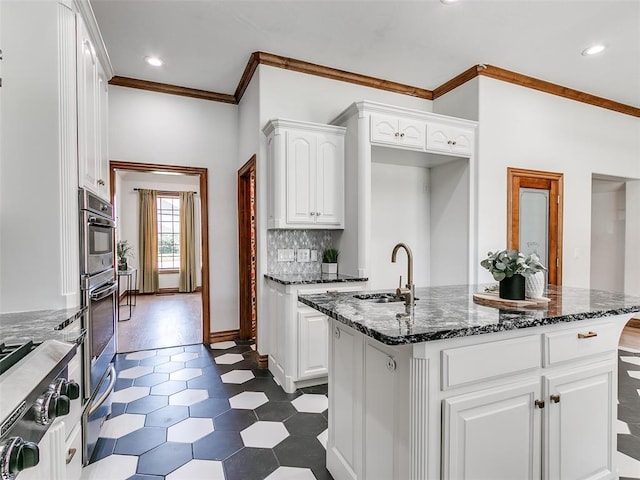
x: 534, y: 216
x: 191, y: 304
x: 247, y: 250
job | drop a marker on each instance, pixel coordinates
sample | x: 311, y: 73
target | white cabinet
x: 398, y: 131
x: 305, y: 170
x: 449, y: 139
x: 299, y: 335
x: 313, y: 331
x: 493, y: 434
x: 579, y: 422
x: 93, y: 158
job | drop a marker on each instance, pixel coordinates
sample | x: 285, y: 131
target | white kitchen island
x: 473, y: 392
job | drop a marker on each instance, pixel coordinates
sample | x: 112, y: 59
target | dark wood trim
x: 172, y: 89
x: 224, y: 336
x: 244, y: 249
x: 554, y: 182
x: 301, y: 66
x: 535, y: 84
x: 456, y: 81
x: 204, y: 220
x: 263, y: 361
x: 247, y: 75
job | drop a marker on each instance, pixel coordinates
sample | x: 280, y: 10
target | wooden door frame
x: 244, y: 250
x: 515, y: 176
x: 204, y: 220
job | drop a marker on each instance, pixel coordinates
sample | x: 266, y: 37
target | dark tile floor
x: 195, y: 412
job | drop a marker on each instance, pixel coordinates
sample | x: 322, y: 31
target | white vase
x: 329, y: 268
x: 534, y: 285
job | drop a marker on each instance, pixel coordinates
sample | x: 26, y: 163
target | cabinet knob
x: 402, y: 134
x: 539, y: 403
x: 397, y: 134
x: 555, y: 398
x: 448, y: 142
x: 336, y: 332
x: 453, y: 142
x: 318, y: 214
x: 391, y: 364
x: 101, y: 182
x: 313, y: 214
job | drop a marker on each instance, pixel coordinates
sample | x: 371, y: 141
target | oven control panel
x: 16, y: 455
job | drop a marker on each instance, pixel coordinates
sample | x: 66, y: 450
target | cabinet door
x: 412, y: 134
x: 448, y: 139
x: 313, y: 331
x: 580, y: 423
x: 462, y: 141
x: 277, y: 322
x: 301, y: 152
x: 330, y: 180
x: 493, y: 434
x: 384, y: 129
x: 87, y: 110
x: 102, y: 120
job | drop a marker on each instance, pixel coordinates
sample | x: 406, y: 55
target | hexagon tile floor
x: 191, y: 413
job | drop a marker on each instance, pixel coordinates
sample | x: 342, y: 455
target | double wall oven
x: 100, y: 296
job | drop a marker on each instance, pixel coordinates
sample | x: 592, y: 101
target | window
x: 168, y: 232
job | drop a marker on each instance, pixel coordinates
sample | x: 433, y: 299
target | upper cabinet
x: 305, y: 169
x: 93, y: 160
x: 449, y: 139
x: 398, y: 131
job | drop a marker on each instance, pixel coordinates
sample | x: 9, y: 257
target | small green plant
x: 123, y: 250
x: 330, y: 255
x: 507, y: 263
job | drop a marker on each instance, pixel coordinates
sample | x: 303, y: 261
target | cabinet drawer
x: 579, y: 342
x: 73, y: 455
x: 466, y: 365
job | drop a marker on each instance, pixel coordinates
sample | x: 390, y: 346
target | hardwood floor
x: 631, y: 335
x: 159, y: 321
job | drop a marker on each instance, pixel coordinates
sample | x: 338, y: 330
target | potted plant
x: 330, y: 260
x: 123, y: 251
x: 510, y: 268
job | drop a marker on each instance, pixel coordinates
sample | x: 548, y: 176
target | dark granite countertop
x: 309, y: 278
x: 42, y: 325
x: 449, y: 312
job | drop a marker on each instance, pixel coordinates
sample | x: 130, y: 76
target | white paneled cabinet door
x: 411, y: 133
x: 384, y: 129
x: 329, y: 186
x: 580, y: 431
x: 400, y: 132
x: 313, y: 346
x: 493, y: 434
x: 301, y: 152
x: 449, y: 139
x: 88, y: 107
x: 103, y: 136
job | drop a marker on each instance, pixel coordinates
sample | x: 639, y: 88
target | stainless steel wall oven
x: 100, y: 295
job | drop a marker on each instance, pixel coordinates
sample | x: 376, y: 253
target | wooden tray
x: 491, y: 299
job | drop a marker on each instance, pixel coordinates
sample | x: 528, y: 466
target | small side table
x: 131, y: 294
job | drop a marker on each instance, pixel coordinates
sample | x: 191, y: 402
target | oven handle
x: 99, y: 401
x: 101, y: 222
x: 104, y: 292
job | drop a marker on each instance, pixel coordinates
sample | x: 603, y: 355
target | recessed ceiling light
x: 593, y: 50
x: 153, y: 61
x: 448, y: 2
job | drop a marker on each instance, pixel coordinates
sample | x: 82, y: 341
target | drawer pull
x: 70, y: 454
x: 555, y: 398
x: 587, y: 335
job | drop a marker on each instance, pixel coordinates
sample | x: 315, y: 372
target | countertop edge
x: 344, y: 279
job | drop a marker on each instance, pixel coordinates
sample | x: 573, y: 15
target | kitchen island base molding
x: 394, y: 414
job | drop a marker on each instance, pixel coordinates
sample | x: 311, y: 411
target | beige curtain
x: 187, y: 243
x: 148, y: 241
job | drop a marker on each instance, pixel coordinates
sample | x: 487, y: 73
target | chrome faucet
x: 409, y: 291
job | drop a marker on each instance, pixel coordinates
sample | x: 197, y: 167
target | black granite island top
x: 42, y: 325
x: 449, y: 312
x: 309, y: 278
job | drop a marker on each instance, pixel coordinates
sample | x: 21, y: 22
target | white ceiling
x: 206, y: 44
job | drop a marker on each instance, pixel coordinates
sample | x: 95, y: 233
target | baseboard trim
x: 224, y: 336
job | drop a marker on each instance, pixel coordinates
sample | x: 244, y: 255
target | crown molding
x: 172, y: 89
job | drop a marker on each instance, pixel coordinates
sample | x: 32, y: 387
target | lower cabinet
x: 299, y: 335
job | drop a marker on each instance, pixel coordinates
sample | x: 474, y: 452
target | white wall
x: 128, y: 213
x: 524, y: 128
x: 608, y: 235
x: 151, y: 127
